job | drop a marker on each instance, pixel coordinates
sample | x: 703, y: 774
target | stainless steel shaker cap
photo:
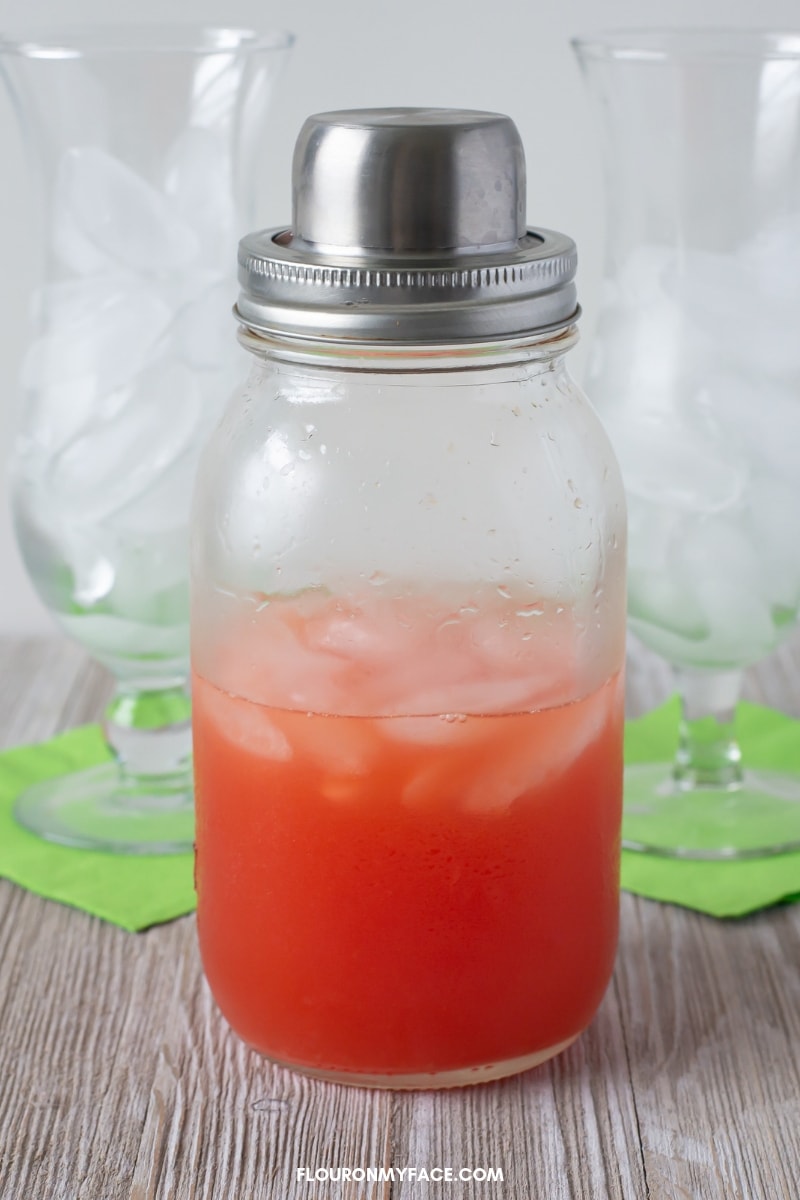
x: 408, y: 227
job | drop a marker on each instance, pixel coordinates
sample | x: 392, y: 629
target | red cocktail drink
x: 404, y: 897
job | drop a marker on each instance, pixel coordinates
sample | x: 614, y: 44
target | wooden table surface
x: 119, y: 1079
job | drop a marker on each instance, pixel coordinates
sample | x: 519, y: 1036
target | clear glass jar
x: 408, y: 642
x: 408, y: 612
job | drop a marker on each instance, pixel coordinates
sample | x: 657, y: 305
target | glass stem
x: 708, y: 753
x: 148, y: 729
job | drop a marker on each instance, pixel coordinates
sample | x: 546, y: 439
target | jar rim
x: 416, y: 359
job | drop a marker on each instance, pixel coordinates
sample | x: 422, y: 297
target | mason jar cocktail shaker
x: 408, y: 625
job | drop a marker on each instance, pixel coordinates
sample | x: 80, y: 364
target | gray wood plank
x: 710, y: 1013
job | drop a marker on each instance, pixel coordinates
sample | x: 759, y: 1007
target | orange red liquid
x: 405, y: 895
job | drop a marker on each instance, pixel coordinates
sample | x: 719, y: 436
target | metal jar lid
x: 408, y: 227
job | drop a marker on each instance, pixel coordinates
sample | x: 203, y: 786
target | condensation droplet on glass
x: 504, y: 592
x: 310, y: 430
x: 323, y: 449
x: 378, y: 578
x: 287, y: 470
x: 304, y: 455
x: 532, y: 610
x: 493, y: 439
x: 451, y: 718
x: 577, y: 502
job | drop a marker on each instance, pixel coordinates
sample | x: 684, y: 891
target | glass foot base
x: 463, y: 1077
x: 98, y: 809
x: 755, y: 819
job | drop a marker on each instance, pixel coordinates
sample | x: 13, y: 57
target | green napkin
x: 133, y: 891
x: 724, y: 889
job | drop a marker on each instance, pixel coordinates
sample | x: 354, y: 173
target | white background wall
x: 510, y: 56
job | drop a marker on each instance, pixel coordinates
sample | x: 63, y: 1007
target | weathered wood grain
x: 120, y: 1081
